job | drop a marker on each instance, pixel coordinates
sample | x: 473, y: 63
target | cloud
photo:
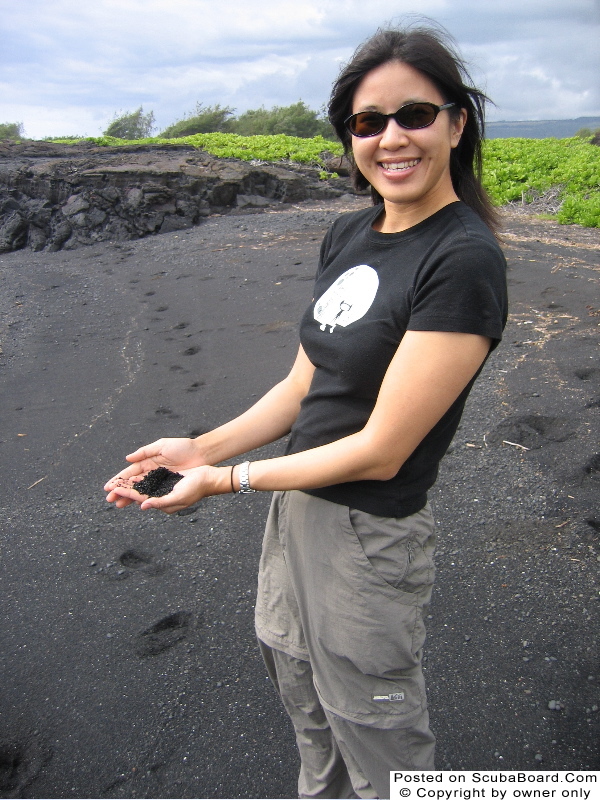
x: 548, y: 71
x: 66, y: 64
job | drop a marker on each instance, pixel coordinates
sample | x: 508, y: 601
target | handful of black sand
x: 158, y: 482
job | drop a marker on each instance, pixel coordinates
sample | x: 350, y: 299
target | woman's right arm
x: 266, y: 421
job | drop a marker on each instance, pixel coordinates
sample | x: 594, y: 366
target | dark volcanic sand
x: 129, y: 667
x: 158, y: 482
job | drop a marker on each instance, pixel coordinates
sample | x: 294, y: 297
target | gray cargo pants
x: 339, y: 615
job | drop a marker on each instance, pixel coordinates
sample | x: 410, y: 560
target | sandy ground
x: 129, y: 667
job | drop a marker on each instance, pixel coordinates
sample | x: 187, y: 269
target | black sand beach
x: 128, y: 662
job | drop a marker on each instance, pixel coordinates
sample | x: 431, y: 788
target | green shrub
x: 256, y: 122
x: 580, y: 210
x: 11, y: 130
x: 587, y: 133
x: 131, y: 125
x: 295, y: 120
x: 206, y: 119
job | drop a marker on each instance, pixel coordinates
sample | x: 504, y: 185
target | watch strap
x: 244, y: 478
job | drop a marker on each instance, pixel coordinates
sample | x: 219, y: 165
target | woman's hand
x: 196, y: 483
x: 178, y: 455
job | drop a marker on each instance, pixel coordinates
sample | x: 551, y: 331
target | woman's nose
x: 393, y: 136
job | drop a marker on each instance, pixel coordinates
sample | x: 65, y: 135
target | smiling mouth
x: 399, y: 166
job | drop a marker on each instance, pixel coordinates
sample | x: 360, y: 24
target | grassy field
x: 514, y: 169
x: 520, y: 168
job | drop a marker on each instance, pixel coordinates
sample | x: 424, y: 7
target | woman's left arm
x: 427, y: 374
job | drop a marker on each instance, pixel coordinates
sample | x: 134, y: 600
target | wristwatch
x: 244, y: 478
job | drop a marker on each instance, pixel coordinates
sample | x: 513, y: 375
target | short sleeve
x: 462, y: 290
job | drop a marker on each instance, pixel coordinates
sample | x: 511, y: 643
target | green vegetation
x: 587, y: 133
x: 131, y: 125
x: 11, y: 130
x: 297, y: 120
x: 247, y: 148
x: 207, y: 119
x: 515, y: 167
x: 294, y: 120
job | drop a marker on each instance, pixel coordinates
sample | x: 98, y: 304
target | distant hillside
x: 540, y: 129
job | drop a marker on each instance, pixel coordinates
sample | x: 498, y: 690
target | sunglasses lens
x: 367, y: 123
x: 411, y: 116
x: 416, y: 115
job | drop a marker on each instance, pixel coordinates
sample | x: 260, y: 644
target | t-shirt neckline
x: 381, y: 238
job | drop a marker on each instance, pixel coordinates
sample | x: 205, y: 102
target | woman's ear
x: 458, y: 125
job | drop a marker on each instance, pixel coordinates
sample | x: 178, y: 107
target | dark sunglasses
x: 411, y: 116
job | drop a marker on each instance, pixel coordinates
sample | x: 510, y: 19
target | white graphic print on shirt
x: 348, y: 299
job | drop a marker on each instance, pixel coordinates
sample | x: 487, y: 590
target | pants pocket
x: 400, y: 551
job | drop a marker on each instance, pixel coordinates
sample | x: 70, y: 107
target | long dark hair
x: 431, y: 51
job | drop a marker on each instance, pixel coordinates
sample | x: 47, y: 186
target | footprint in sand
x: 532, y: 431
x: 140, y: 561
x: 164, y: 634
x: 20, y: 764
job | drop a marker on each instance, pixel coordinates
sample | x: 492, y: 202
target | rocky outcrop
x: 62, y: 196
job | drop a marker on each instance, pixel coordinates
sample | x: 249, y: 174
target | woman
x: 410, y: 298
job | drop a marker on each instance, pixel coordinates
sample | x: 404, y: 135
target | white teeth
x: 401, y: 164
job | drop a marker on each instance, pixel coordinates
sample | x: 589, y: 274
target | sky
x: 68, y: 67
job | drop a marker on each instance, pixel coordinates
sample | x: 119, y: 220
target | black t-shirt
x: 445, y: 274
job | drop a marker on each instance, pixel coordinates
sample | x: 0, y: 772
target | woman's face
x: 409, y: 168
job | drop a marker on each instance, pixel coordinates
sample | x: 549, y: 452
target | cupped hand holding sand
x: 174, y: 454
